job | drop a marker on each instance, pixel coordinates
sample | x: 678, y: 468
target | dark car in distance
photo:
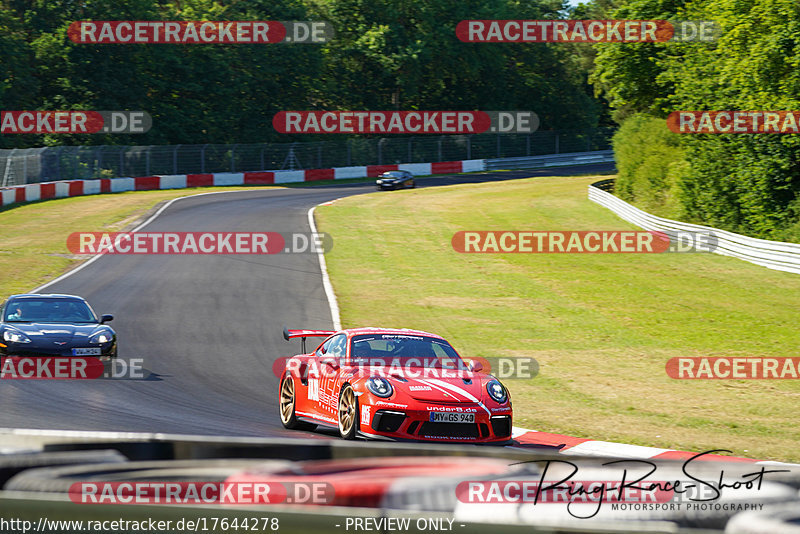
x: 54, y: 325
x: 395, y: 180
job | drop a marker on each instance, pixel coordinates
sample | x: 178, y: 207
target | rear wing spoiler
x: 303, y: 334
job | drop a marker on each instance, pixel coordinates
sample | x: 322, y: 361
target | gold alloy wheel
x: 287, y: 400
x: 347, y: 412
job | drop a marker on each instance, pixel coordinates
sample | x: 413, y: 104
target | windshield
x: 404, y: 350
x: 392, y: 175
x: 49, y: 310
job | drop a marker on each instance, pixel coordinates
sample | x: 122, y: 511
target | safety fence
x: 70, y: 188
x: 49, y: 164
x: 772, y: 254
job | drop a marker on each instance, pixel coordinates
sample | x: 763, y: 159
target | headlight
x: 15, y: 336
x: 100, y: 338
x: 380, y: 387
x: 497, y: 391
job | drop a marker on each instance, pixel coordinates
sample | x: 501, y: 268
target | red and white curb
x: 524, y: 438
x: 72, y: 188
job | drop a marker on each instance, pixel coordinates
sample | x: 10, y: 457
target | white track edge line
x: 333, y: 304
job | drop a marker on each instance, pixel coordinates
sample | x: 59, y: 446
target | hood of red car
x: 466, y: 387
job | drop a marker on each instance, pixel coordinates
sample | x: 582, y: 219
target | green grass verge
x: 601, y: 326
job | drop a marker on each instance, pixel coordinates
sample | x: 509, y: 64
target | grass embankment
x: 601, y: 326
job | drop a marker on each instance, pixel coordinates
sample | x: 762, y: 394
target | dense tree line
x: 390, y: 54
x: 386, y: 54
x: 748, y: 183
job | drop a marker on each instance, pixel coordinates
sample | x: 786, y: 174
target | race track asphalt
x: 207, y: 327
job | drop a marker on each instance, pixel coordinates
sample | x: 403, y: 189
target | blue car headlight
x: 101, y: 337
x: 380, y: 387
x: 15, y: 336
x: 497, y: 391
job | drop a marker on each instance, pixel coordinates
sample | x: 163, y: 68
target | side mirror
x: 106, y: 319
x: 331, y: 361
x: 475, y: 366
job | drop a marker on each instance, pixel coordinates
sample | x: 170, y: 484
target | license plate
x: 451, y: 417
x: 94, y: 351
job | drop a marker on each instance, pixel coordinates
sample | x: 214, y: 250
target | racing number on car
x: 365, y: 413
x: 313, y: 389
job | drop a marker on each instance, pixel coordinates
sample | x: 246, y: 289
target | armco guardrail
x: 772, y: 254
x: 553, y: 160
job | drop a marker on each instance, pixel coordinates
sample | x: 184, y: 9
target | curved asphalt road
x: 207, y: 327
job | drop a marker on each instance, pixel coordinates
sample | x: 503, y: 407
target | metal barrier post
x: 98, y: 160
x: 58, y: 163
x: 175, y: 160
x: 263, y: 164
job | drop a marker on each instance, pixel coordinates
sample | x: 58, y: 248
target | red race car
x: 392, y: 384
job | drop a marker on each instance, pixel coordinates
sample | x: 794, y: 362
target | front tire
x: 348, y: 412
x: 287, y: 404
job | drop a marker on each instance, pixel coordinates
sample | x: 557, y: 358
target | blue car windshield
x: 48, y: 310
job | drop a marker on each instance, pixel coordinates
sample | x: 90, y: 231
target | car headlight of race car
x: 15, y: 336
x: 101, y: 337
x: 497, y: 391
x: 380, y: 387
